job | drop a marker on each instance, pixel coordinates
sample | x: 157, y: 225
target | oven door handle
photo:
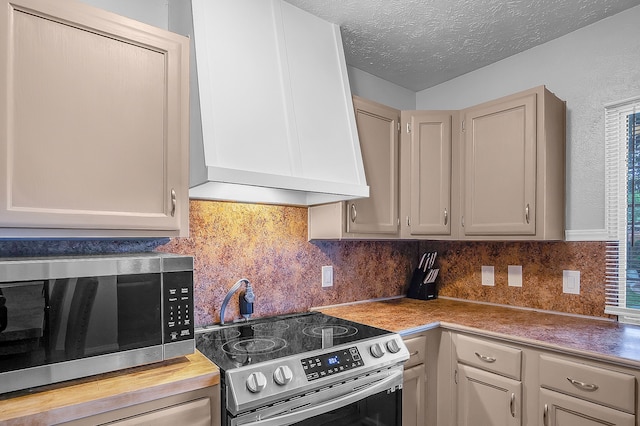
x: 325, y: 407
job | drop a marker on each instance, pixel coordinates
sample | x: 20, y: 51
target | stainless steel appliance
x: 307, y: 369
x: 70, y: 317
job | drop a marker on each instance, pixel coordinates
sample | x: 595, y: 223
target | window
x: 622, y: 165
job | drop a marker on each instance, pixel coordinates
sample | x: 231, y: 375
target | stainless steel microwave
x: 63, y: 318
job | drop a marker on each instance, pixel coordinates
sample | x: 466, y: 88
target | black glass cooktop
x: 265, y: 339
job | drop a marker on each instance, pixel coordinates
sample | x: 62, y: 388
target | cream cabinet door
x: 430, y: 173
x: 557, y: 409
x: 378, y: 134
x: 94, y: 122
x: 487, y: 399
x: 375, y: 217
x: 500, y: 167
x: 413, y: 396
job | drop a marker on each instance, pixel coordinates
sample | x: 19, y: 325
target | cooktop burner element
x: 270, y: 326
x: 254, y: 345
x: 321, y: 331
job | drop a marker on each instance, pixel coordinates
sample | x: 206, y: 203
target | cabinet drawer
x: 607, y: 387
x: 195, y: 413
x: 489, y: 356
x: 417, y: 346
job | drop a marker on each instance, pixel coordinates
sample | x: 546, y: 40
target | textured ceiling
x: 420, y: 43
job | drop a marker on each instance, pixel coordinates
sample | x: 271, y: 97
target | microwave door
x: 21, y: 324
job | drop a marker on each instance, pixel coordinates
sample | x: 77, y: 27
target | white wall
x: 588, y: 68
x: 152, y: 12
x: 376, y: 89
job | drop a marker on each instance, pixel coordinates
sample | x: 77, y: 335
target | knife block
x: 419, y: 290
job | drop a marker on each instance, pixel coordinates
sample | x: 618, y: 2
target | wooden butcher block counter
x: 151, y: 387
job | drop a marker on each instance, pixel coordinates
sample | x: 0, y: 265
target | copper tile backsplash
x: 268, y: 246
x: 542, y: 264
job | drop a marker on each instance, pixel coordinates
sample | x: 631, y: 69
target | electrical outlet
x: 571, y: 282
x: 327, y: 276
x: 487, y: 276
x: 514, y: 273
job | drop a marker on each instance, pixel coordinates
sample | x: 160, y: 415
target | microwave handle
x: 298, y: 416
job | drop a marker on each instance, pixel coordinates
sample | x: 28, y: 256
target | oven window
x: 382, y: 409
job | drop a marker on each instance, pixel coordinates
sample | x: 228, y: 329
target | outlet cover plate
x: 514, y: 273
x: 571, y: 282
x: 487, y: 276
x: 327, y: 276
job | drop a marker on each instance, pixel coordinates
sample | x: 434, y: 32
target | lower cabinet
x: 413, y: 396
x: 195, y: 408
x: 488, y: 381
x: 563, y: 410
x: 495, y: 382
x: 414, y: 388
x: 575, y: 393
x: 487, y: 399
x: 195, y: 413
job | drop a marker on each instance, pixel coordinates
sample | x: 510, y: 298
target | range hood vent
x: 272, y: 105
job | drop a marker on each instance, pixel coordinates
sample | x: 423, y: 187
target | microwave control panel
x: 178, y: 306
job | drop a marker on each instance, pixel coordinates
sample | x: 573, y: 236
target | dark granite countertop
x: 592, y: 337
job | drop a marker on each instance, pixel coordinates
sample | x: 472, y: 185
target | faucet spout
x: 230, y: 293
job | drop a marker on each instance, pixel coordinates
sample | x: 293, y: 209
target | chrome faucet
x: 246, y: 299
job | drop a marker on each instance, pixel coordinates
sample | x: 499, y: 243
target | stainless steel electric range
x: 307, y: 369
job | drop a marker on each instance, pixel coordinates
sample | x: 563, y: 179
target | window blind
x: 622, y: 204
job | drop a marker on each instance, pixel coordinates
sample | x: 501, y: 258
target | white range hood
x: 272, y: 115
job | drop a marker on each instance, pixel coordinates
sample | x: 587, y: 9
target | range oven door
x: 372, y: 400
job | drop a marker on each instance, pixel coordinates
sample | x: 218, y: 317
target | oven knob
x: 393, y: 346
x: 282, y: 375
x: 377, y: 350
x: 256, y: 382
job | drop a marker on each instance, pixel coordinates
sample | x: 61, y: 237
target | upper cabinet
x: 429, y: 206
x: 513, y: 163
x: 277, y: 117
x: 94, y: 122
x: 495, y: 171
x: 374, y: 217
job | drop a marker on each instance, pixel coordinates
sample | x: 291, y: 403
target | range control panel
x: 178, y: 306
x: 335, y: 362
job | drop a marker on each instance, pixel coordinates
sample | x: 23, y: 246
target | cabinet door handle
x: 446, y: 217
x: 512, y: 404
x: 526, y: 213
x: 582, y: 385
x: 485, y: 358
x: 545, y: 415
x: 173, y: 202
x: 354, y: 213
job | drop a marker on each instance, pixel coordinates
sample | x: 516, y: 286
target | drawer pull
x: 584, y: 386
x: 545, y: 415
x: 414, y: 353
x: 512, y: 404
x: 485, y: 358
